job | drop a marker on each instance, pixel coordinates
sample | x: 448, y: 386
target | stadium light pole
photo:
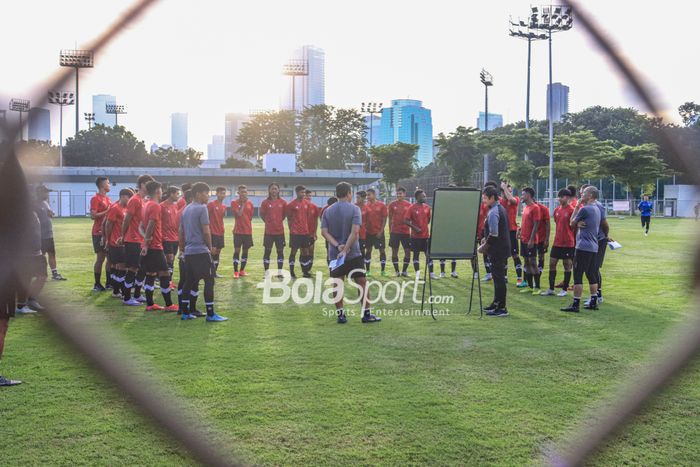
x: 21, y: 106
x: 89, y: 117
x: 522, y: 31
x: 61, y: 98
x: 116, y: 110
x: 371, y: 108
x: 76, y: 59
x: 294, y: 68
x: 486, y: 80
x: 552, y: 18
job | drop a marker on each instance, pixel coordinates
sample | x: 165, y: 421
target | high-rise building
x: 310, y: 89
x: 373, y: 130
x: 233, y: 123
x: 215, y: 150
x: 39, y: 124
x: 408, y: 121
x: 495, y: 121
x: 99, y: 108
x: 178, y: 130
x: 560, y: 101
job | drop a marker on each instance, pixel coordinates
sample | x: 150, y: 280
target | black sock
x: 382, y: 260
x: 292, y: 263
x: 599, y: 293
x: 442, y: 266
x: 454, y: 266
x: 537, y: 280
x: 552, y: 278
x: 244, y: 261
x: 210, y: 308
x: 594, y: 300
x: 395, y: 263
x: 165, y: 290
x: 98, y: 278
x: 340, y: 311
x: 128, y: 284
x: 280, y: 261
x: 193, y: 301
x: 430, y: 266
x: 528, y: 279
x: 266, y: 258
x: 406, y: 262
x: 567, y: 279
x: 577, y: 302
x: 518, y: 267
x: 236, y: 260
x: 149, y: 287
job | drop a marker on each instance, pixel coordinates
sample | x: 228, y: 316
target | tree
x: 329, y: 138
x: 233, y: 163
x: 575, y: 155
x: 690, y: 113
x: 105, y: 146
x: 36, y: 153
x: 511, y: 148
x: 267, y: 132
x: 171, y: 157
x: 459, y: 151
x: 619, y: 124
x: 395, y: 161
x: 633, y: 166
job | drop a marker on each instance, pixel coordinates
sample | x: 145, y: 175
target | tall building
x: 99, y: 103
x: 39, y: 124
x: 373, y: 130
x: 495, y: 121
x: 310, y: 89
x: 178, y: 130
x: 215, y: 150
x: 560, y: 101
x: 233, y: 123
x: 407, y: 121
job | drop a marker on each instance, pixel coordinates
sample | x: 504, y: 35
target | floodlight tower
x: 76, y: 59
x: 89, y: 117
x: 294, y: 68
x: 21, y: 106
x: 486, y: 80
x: 371, y: 108
x: 116, y: 109
x: 551, y: 19
x: 61, y: 98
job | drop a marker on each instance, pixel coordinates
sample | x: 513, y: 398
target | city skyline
x: 208, y: 86
x: 407, y: 121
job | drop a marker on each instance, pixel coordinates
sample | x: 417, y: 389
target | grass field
x: 287, y: 385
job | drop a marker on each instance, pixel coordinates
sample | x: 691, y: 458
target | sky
x: 210, y: 57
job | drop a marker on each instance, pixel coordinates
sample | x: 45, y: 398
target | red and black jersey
x: 363, y: 221
x: 272, y: 212
x: 217, y: 211
x: 135, y: 208
x: 531, y: 214
x: 297, y: 216
x: 481, y: 223
x: 544, y: 222
x: 115, y: 215
x: 181, y: 203
x: 397, y: 212
x: 99, y: 203
x: 152, y: 212
x: 244, y: 221
x: 512, y: 210
x: 419, y: 215
x: 376, y: 215
x: 312, y: 217
x: 564, y: 234
x: 170, y: 220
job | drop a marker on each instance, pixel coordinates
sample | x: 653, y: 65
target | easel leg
x: 475, y: 274
x: 430, y: 286
x: 481, y: 304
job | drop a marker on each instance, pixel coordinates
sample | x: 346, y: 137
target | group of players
x: 581, y: 237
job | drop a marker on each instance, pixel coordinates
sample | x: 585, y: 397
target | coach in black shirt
x: 496, y: 245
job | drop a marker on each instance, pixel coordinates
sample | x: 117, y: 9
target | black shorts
x: 563, y: 252
x: 419, y: 245
x: 376, y: 241
x: 355, y: 268
x: 645, y: 220
x: 299, y: 241
x: 526, y: 252
x: 396, y: 239
x: 132, y: 255
x: 514, y: 251
x: 217, y: 241
x: 585, y: 262
x: 274, y: 240
x: 154, y: 261
x: 116, y: 255
x: 199, y: 266
x: 540, y: 248
x: 47, y: 246
x: 242, y: 240
x: 170, y: 248
x: 96, y: 247
x: 602, y: 246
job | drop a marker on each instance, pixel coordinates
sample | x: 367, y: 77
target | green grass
x: 287, y: 385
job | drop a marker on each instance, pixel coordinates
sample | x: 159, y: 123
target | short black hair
x: 99, y: 181
x: 331, y: 200
x: 401, y: 189
x: 299, y: 188
x: 126, y: 192
x: 220, y: 188
x: 572, y: 189
x: 241, y: 187
x: 273, y: 184
x: 490, y: 192
x: 152, y: 186
x: 143, y: 179
x: 362, y: 194
x: 529, y: 190
x: 171, y: 190
x: 187, y: 194
x: 307, y: 191
x: 491, y: 183
x: 564, y: 192
x: 417, y: 192
x: 186, y: 187
x: 342, y: 189
x: 200, y: 187
x: 371, y: 190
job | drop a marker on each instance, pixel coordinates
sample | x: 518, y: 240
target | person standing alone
x: 496, y: 244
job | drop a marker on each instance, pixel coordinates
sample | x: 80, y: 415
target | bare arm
x: 107, y: 231
x: 531, y: 242
x: 508, y: 194
x: 548, y: 231
x: 148, y: 236
x: 125, y: 225
x: 94, y: 214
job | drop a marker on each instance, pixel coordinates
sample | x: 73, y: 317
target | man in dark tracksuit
x: 496, y: 245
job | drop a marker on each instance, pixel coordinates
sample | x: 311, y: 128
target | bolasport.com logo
x: 280, y: 288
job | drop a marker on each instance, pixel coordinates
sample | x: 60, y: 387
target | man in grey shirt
x: 340, y: 226
x: 603, y: 239
x: 44, y: 212
x: 195, y: 245
x: 587, y: 217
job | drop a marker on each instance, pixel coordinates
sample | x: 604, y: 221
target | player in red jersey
x: 511, y: 203
x: 170, y: 224
x: 181, y: 203
x: 418, y: 220
x: 217, y: 212
x: 297, y: 219
x: 99, y: 204
x: 272, y: 213
x: 242, y: 209
x: 132, y: 239
x: 111, y: 232
x: 361, y: 202
x: 329, y: 202
x: 573, y: 200
x: 564, y: 247
x: 313, y: 215
x: 375, y: 222
x: 153, y: 260
x: 542, y: 238
x: 528, y: 239
x: 399, y: 232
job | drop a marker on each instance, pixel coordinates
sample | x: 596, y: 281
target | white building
x: 99, y: 108
x: 178, y: 130
x: 233, y: 122
x: 680, y: 200
x: 310, y: 89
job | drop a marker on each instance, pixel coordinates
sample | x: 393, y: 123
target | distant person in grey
x: 586, y: 217
x: 340, y: 226
x: 44, y: 213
